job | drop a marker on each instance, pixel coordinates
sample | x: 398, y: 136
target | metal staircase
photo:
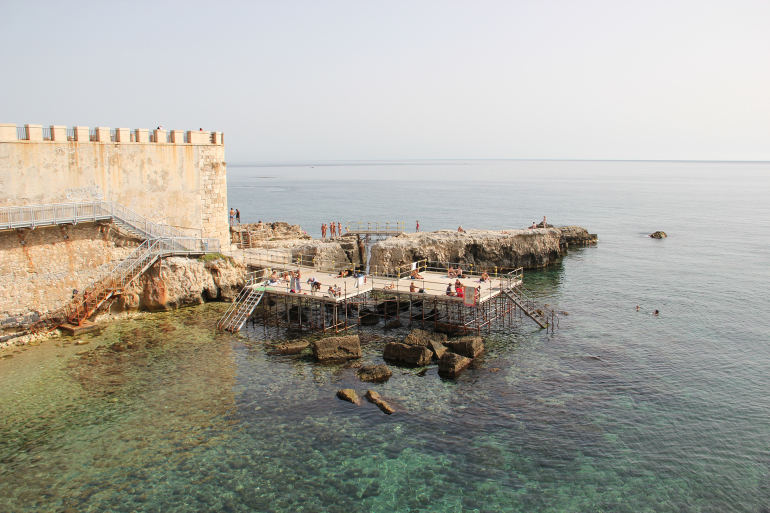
x: 515, y: 291
x: 112, y: 283
x: 245, y: 303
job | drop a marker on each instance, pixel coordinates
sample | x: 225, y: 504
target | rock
x: 385, y: 407
x: 370, y: 319
x: 374, y: 373
x: 374, y: 397
x: 395, y: 323
x: 658, y: 235
x: 515, y: 248
x: 469, y: 347
x: 451, y: 364
x: 337, y: 348
x: 81, y: 353
x: 418, y: 337
x: 292, y: 348
x: 82, y: 342
x: 348, y: 394
x: 438, y: 348
x: 416, y: 355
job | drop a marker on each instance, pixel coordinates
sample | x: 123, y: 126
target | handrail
x: 383, y: 227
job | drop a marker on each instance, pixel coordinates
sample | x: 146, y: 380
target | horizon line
x: 322, y: 162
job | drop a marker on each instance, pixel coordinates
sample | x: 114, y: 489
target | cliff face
x: 181, y: 281
x: 339, y: 249
x: 511, y: 248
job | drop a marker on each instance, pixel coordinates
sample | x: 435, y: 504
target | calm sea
x: 617, y: 411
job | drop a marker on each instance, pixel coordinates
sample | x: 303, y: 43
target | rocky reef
x: 510, y: 248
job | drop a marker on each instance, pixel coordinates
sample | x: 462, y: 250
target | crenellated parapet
x: 60, y: 133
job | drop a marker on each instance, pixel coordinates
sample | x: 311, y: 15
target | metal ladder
x: 245, y: 303
x: 541, y: 314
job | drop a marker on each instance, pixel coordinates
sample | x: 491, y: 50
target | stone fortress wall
x: 179, y: 180
x: 172, y: 177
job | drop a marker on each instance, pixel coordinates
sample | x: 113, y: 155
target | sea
x: 618, y: 410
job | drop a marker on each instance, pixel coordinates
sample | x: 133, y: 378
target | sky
x: 324, y: 80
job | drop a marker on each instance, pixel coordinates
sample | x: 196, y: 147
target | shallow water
x: 617, y: 411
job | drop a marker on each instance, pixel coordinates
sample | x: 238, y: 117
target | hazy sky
x: 331, y: 80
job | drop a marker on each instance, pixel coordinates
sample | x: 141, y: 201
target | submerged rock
x: 370, y: 319
x: 348, y: 394
x: 374, y: 373
x: 291, y: 347
x: 337, y: 348
x: 395, y: 323
x: 416, y: 355
x: 451, y: 364
x: 658, y: 235
x: 469, y: 347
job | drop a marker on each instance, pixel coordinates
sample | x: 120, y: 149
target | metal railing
x: 92, y: 134
x: 374, y: 227
x: 72, y: 213
x: 114, y: 135
x: 21, y: 133
x: 70, y: 134
x: 47, y: 134
x: 286, y: 260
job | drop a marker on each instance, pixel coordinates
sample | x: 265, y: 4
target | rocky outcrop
x: 438, y: 348
x: 418, y: 337
x: 469, y: 347
x: 273, y: 231
x: 337, y: 348
x: 658, y: 235
x: 451, y: 364
x: 179, y: 281
x: 414, y: 355
x: 509, y: 248
x: 374, y: 373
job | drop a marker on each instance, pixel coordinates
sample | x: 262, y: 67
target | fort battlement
x: 172, y: 177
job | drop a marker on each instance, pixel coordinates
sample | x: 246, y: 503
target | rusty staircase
x: 245, y: 303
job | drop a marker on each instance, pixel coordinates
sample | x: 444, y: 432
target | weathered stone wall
x: 39, y: 276
x: 183, y: 185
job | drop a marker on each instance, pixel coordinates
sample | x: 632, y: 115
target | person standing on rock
x: 418, y: 226
x: 237, y: 216
x: 545, y: 224
x: 232, y: 216
x: 339, y: 228
x: 323, y: 230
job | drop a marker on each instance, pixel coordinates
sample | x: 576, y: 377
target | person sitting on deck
x: 413, y: 288
x: 344, y: 273
x: 450, y: 272
x: 391, y: 286
x: 334, y: 291
x: 460, y: 229
x: 415, y: 275
x: 449, y: 290
x: 484, y: 277
x: 459, y: 289
x: 458, y: 272
x: 274, y: 277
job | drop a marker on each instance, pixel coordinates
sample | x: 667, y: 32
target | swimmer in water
x: 655, y: 312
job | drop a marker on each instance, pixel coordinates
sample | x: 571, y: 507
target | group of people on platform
x: 333, y: 229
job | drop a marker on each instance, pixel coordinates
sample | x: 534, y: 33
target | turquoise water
x: 617, y: 411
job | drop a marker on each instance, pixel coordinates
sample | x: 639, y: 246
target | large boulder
x: 415, y: 355
x: 469, y: 347
x: 395, y: 323
x: 337, y: 348
x: 423, y: 338
x: 451, y: 364
x: 438, y: 348
x: 374, y: 373
x: 658, y: 235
